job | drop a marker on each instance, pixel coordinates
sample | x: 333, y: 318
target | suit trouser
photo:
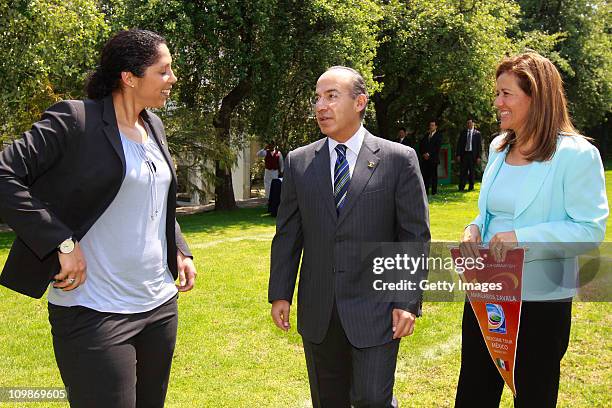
x: 269, y: 175
x: 430, y: 176
x: 342, y: 376
x: 467, y: 170
x: 114, y: 360
x: 542, y: 342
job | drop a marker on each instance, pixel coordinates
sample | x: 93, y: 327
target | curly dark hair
x: 127, y: 51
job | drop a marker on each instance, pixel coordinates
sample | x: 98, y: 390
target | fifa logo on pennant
x: 496, y: 319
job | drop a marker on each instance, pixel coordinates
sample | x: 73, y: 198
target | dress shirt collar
x: 353, y: 144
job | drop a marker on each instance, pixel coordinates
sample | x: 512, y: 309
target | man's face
x: 432, y: 127
x: 337, y: 110
x: 402, y: 133
x: 470, y: 124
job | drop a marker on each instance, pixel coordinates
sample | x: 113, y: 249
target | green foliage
x: 247, y: 69
x: 584, y: 53
x: 47, y: 49
x: 436, y: 60
x: 307, y: 40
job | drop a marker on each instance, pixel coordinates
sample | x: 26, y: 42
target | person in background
x: 429, y: 149
x: 402, y: 138
x: 273, y: 165
x: 543, y: 184
x: 469, y: 148
x: 90, y: 192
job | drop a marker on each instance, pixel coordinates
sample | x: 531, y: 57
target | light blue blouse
x: 502, y: 198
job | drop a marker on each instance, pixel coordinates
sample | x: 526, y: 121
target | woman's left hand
x: 501, y: 243
x: 186, y: 272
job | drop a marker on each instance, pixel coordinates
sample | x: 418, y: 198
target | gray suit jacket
x: 386, y: 202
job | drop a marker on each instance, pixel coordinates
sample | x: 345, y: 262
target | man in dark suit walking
x: 341, y: 192
x: 469, y: 148
x: 430, y: 157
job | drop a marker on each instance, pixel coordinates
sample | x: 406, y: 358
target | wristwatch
x: 67, y: 246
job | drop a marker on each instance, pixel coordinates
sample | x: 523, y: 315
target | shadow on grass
x: 214, y: 221
x: 6, y: 240
x: 247, y: 218
x: 449, y: 193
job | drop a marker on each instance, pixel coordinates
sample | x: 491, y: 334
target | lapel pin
x: 371, y: 164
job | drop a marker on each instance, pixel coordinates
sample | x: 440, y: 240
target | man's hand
x: 403, y: 323
x: 186, y: 272
x: 478, y: 160
x: 280, y: 314
x: 457, y: 159
x: 426, y: 156
x: 73, y: 269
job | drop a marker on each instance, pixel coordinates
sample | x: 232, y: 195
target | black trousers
x: 114, y: 360
x: 542, y: 341
x: 466, y: 173
x: 430, y: 176
x: 342, y: 376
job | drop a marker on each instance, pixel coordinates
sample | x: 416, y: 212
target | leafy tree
x: 436, y: 61
x: 250, y: 67
x: 584, y: 52
x: 46, y: 53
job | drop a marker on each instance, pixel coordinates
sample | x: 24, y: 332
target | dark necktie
x: 342, y: 177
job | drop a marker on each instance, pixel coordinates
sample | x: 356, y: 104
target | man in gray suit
x: 339, y: 193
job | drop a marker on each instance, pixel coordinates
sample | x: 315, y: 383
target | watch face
x: 67, y: 246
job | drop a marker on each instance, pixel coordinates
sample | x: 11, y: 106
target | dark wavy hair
x: 127, y: 51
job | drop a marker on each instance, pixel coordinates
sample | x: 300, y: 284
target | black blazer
x: 405, y: 141
x: 476, y: 143
x: 431, y: 146
x: 58, y: 179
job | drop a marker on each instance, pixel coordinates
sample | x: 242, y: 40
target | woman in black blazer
x: 90, y: 193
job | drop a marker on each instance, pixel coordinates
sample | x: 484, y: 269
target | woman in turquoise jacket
x: 543, y: 186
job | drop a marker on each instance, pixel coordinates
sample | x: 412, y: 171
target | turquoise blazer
x: 563, y: 200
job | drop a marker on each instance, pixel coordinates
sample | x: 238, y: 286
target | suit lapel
x: 534, y: 179
x: 490, y: 177
x: 533, y: 182
x: 367, y: 162
x: 111, y: 130
x: 322, y: 168
x: 160, y: 143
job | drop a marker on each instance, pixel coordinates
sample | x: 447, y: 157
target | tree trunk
x: 382, y: 116
x: 224, y: 190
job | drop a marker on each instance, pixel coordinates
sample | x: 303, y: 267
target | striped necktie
x: 342, y: 177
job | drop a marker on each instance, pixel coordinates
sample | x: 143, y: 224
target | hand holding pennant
x: 494, y: 291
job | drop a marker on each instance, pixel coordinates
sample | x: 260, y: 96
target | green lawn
x: 229, y: 354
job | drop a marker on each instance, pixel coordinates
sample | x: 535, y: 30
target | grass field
x: 229, y: 354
